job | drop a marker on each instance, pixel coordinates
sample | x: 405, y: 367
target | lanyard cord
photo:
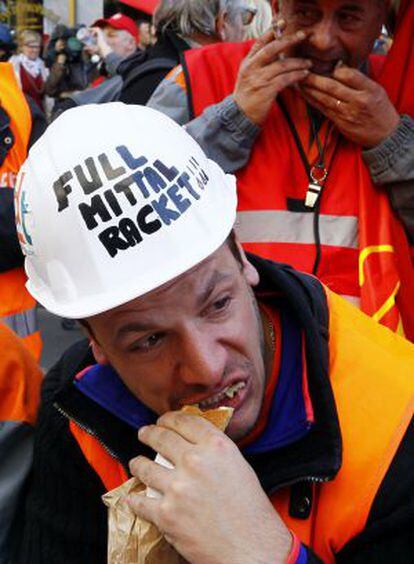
x: 295, y: 136
x: 308, y: 168
x: 299, y: 145
x: 316, y: 215
x: 315, y: 137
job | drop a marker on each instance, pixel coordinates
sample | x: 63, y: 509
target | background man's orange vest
x: 17, y: 307
x: 361, y: 240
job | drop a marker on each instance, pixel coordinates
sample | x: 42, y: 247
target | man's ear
x: 98, y: 352
x: 221, y: 22
x: 250, y: 273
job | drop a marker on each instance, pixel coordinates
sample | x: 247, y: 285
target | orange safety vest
x: 20, y: 380
x: 361, y: 240
x: 17, y: 307
x: 371, y: 375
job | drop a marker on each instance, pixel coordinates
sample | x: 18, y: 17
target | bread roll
x: 220, y: 417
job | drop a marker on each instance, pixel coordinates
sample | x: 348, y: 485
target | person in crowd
x: 317, y: 457
x: 7, y: 44
x: 112, y: 40
x: 30, y: 69
x: 57, y: 43
x: 146, y: 38
x: 21, y: 123
x: 20, y: 381
x: 181, y: 25
x: 70, y: 69
x: 116, y: 39
x: 262, y: 20
x: 318, y: 145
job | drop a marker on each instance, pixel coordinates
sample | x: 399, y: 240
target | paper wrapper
x: 132, y: 540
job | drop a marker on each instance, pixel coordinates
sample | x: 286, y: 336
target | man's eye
x: 349, y: 19
x: 221, y: 304
x: 146, y: 344
x: 306, y: 16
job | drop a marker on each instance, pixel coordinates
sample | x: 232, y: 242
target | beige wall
x: 86, y: 11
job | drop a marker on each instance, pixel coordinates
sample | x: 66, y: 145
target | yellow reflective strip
x: 387, y: 305
x: 400, y: 329
x: 365, y: 253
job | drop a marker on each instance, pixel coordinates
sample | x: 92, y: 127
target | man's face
x: 118, y: 40
x: 191, y: 340
x: 234, y: 23
x: 339, y: 30
x: 145, y: 38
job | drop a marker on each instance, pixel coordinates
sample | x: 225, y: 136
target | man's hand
x: 264, y: 73
x: 358, y: 106
x: 61, y: 59
x: 101, y: 46
x: 60, y: 45
x: 213, y: 508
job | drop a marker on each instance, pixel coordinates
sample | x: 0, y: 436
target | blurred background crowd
x: 74, y: 56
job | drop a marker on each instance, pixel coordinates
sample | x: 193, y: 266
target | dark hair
x: 234, y: 248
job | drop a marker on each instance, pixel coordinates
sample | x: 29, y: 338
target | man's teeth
x: 228, y: 392
x: 231, y: 391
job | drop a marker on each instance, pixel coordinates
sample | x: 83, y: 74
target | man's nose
x: 202, y: 360
x: 323, y: 36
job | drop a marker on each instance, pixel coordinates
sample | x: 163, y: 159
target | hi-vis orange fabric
x: 366, y: 361
x: 20, y: 380
x: 17, y: 307
x: 14, y: 102
x: 370, y: 259
x: 110, y: 471
x: 397, y: 73
x: 371, y: 375
x: 397, y: 78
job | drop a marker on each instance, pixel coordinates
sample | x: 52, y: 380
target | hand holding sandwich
x: 212, y: 508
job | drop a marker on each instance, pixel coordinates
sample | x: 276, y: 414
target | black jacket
x: 65, y: 520
x: 168, y: 48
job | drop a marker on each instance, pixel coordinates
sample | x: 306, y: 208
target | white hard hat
x: 113, y: 201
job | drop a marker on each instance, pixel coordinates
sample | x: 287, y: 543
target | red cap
x: 119, y: 21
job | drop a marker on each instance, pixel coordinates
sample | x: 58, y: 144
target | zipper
x: 92, y: 433
x: 313, y: 479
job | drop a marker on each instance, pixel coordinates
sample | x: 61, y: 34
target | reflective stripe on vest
x: 23, y: 323
x: 295, y: 227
